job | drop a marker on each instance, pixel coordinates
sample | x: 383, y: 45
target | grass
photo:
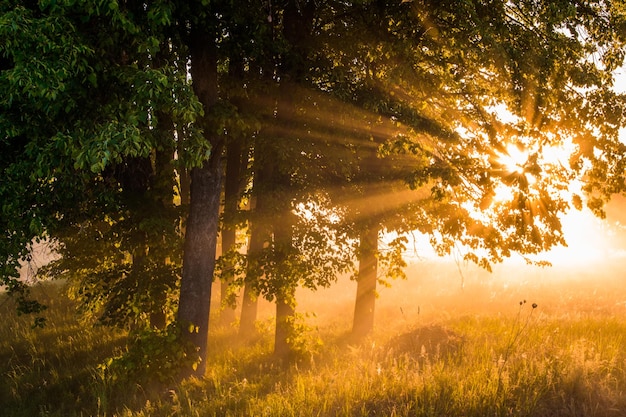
x: 475, y: 352
x: 51, y: 371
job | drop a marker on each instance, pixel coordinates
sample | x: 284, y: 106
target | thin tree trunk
x: 227, y: 309
x: 259, y: 235
x: 285, y: 298
x: 297, y: 27
x: 285, y: 316
x: 162, y: 185
x: 203, y: 221
x: 249, y: 312
x: 363, y: 322
x: 250, y: 301
x: 185, y: 186
x: 229, y: 231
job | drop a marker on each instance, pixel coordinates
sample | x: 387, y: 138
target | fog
x: 586, y: 278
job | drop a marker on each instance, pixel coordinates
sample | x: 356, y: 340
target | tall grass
x: 51, y: 371
x: 490, y: 357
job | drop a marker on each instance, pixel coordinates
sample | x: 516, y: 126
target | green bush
x: 153, y: 356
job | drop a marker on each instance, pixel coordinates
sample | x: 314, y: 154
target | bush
x: 153, y: 356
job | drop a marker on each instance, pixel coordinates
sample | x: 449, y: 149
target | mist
x: 585, y: 278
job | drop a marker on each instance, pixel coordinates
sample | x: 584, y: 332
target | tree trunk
x: 199, y: 255
x: 227, y: 310
x: 259, y: 235
x: 229, y: 231
x: 366, y: 283
x: 285, y: 315
x: 250, y: 301
x: 286, y: 295
x: 249, y: 309
x: 162, y: 185
x: 203, y: 221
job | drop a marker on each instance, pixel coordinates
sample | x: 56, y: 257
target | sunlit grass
x: 475, y: 352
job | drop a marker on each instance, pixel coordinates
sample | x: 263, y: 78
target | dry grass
x: 438, y: 350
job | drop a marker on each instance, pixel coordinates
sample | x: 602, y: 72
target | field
x: 446, y: 344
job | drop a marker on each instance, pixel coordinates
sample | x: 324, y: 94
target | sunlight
x: 514, y: 158
x: 591, y: 241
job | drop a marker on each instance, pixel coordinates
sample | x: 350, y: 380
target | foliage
x: 81, y: 119
x: 443, y: 77
x: 342, y: 105
x: 153, y: 357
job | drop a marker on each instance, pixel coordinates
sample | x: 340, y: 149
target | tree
x: 79, y: 115
x: 102, y: 109
x: 340, y: 101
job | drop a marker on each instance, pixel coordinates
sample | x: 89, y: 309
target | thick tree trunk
x: 366, y: 283
x: 199, y: 255
x: 203, y: 221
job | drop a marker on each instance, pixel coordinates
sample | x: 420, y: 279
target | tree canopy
x: 350, y: 119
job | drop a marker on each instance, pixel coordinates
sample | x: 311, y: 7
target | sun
x: 588, y: 237
x: 540, y: 166
x: 513, y: 159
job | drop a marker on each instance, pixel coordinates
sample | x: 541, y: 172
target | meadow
x: 519, y: 342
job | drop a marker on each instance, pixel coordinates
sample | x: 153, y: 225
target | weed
x: 520, y: 326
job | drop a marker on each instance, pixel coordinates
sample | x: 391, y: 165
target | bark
x: 363, y: 322
x: 227, y: 309
x: 184, y: 184
x: 285, y: 298
x: 297, y: 27
x: 199, y: 254
x: 249, y: 309
x: 285, y: 316
x: 259, y: 235
x: 203, y: 220
x: 229, y: 231
x: 249, y: 303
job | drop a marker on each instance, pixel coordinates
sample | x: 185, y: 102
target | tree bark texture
x: 199, y: 255
x: 260, y: 234
x: 203, y: 221
x: 363, y: 322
